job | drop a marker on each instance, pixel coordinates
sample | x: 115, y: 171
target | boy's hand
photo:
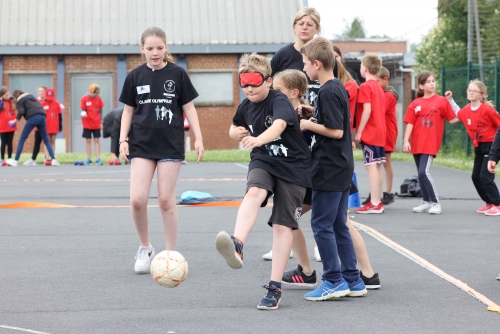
x: 242, y: 132
x: 357, y: 137
x: 305, y: 124
x: 448, y: 95
x: 200, y: 150
x: 491, y: 166
x: 406, y: 147
x: 353, y: 146
x: 308, y: 109
x: 249, y: 142
x: 124, y: 151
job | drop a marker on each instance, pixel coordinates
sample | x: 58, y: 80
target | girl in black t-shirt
x: 156, y: 96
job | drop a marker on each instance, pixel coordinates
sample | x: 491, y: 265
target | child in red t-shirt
x: 391, y: 131
x: 481, y: 121
x: 91, y: 105
x: 370, y: 130
x: 425, y: 127
x: 7, y: 113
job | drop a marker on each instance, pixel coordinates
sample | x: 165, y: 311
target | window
x: 29, y: 83
x: 215, y: 88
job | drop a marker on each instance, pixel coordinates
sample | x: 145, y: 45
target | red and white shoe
x: 371, y: 208
x: 494, y: 211
x: 4, y: 163
x: 48, y: 162
x: 111, y: 162
x: 484, y: 208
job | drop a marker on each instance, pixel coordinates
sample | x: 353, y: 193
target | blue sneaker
x: 87, y: 162
x: 357, y: 288
x: 328, y: 290
x: 272, y: 298
x: 98, y: 162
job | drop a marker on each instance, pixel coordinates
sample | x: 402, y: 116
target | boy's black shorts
x: 87, y: 133
x: 287, y: 198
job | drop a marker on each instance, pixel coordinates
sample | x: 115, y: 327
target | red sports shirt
x: 93, y: 106
x: 52, y: 112
x: 481, y: 124
x: 352, y: 88
x: 427, y: 116
x: 6, y: 115
x: 374, y: 131
x: 391, y: 124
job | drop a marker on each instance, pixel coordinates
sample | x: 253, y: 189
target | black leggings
x: 36, y: 145
x: 483, y: 180
x: 6, y: 139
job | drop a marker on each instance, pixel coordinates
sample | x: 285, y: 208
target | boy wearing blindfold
x: 267, y: 124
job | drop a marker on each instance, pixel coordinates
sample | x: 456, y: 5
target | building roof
x: 115, y: 26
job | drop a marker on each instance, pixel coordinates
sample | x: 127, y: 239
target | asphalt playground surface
x: 70, y: 270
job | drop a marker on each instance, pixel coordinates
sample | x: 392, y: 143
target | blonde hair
x: 320, y: 49
x: 482, y: 88
x: 4, y: 90
x: 372, y: 62
x: 293, y: 79
x: 155, y: 31
x: 384, y: 73
x: 312, y: 13
x: 43, y: 87
x: 343, y: 75
x: 255, y: 63
x: 421, y: 80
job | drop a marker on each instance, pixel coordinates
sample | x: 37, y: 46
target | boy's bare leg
x: 360, y: 249
x: 97, y: 148
x: 299, y: 246
x: 88, y: 147
x: 247, y: 213
x: 282, y: 245
x: 375, y: 180
x: 389, y: 173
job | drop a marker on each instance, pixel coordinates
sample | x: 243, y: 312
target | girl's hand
x: 357, y: 137
x: 305, y: 124
x: 406, y: 147
x: 200, y: 150
x: 242, y: 132
x: 448, y: 95
x: 353, y: 146
x: 124, y: 151
x: 491, y: 166
x: 308, y: 109
x: 249, y: 142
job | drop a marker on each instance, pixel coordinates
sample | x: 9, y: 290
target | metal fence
x: 457, y: 80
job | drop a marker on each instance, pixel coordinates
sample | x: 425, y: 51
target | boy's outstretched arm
x: 320, y: 129
x: 238, y: 132
x: 265, y: 137
x: 365, y: 116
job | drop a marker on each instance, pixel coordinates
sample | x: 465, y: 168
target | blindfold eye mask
x: 253, y: 79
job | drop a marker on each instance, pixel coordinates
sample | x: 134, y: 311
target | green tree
x: 354, y: 30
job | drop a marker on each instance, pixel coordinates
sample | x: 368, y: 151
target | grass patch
x: 456, y: 160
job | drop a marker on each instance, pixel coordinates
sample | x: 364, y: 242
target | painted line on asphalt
x: 242, y: 166
x: 23, y: 329
x: 46, y: 205
x: 121, y: 180
x: 429, y: 266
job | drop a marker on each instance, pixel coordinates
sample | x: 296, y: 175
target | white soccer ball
x: 169, y: 268
x: 83, y: 114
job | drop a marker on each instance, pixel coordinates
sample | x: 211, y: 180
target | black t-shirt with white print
x: 332, y: 162
x: 288, y: 58
x: 287, y: 157
x: 157, y: 130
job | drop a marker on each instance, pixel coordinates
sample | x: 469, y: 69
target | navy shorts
x: 373, y: 154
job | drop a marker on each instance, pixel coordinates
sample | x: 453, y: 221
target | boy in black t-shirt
x: 332, y: 166
x: 267, y: 124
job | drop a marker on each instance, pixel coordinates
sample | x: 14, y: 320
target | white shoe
x: 143, y: 259
x: 424, y: 207
x: 30, y: 162
x: 316, y: 254
x: 435, y: 209
x: 11, y: 162
x: 269, y: 256
x: 55, y: 163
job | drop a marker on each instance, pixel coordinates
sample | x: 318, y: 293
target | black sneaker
x: 230, y: 248
x: 297, y: 277
x: 271, y: 299
x: 367, y: 200
x: 387, y: 198
x: 371, y: 282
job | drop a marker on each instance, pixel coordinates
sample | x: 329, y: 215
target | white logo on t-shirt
x: 143, y: 89
x: 89, y: 104
x: 251, y: 128
x: 469, y: 122
x: 418, y: 108
x: 163, y: 113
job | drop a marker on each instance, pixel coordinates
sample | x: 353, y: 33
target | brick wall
x: 215, y: 121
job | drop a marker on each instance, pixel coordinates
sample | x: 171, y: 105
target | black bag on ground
x: 410, y: 187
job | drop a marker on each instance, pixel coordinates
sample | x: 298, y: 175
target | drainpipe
x: 409, y: 70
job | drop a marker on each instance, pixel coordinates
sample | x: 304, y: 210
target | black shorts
x: 287, y: 199
x: 87, y: 133
x: 308, y: 197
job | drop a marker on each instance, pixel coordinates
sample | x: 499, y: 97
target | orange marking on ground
x: 118, y: 180
x: 34, y: 205
x: 44, y: 205
x: 432, y: 268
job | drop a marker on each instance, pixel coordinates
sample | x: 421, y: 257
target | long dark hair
x: 421, y: 80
